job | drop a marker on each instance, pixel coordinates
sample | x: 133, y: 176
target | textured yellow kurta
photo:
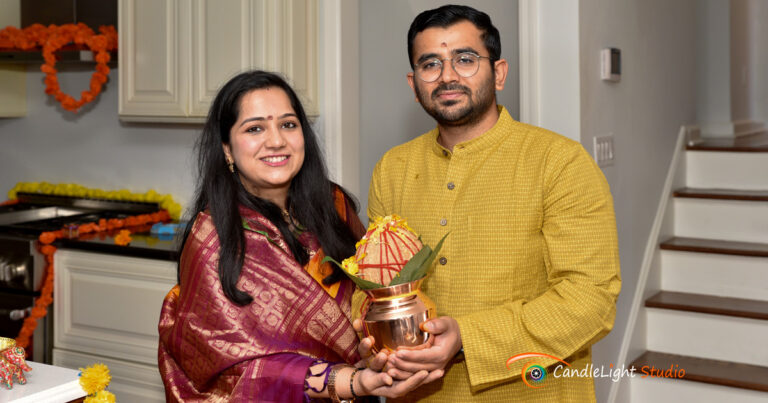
x: 531, y: 263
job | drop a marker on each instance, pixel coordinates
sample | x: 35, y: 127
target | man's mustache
x: 449, y: 87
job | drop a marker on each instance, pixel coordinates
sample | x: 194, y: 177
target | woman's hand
x: 374, y: 362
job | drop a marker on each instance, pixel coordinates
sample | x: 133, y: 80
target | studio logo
x: 532, y: 369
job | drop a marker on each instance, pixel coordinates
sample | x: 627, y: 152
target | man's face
x: 453, y: 100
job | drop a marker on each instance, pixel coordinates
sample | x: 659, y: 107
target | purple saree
x: 214, y: 350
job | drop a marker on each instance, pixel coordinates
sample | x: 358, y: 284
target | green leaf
x: 407, y: 273
x: 417, y: 267
x: 362, y: 284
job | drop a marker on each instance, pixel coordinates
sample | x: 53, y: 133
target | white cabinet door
x: 109, y: 305
x: 152, y: 59
x: 220, y: 47
x: 175, y: 54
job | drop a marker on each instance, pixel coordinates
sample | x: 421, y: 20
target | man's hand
x: 445, y: 345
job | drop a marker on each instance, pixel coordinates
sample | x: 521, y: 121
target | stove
x: 22, y: 266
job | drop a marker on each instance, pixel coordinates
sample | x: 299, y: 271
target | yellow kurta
x: 531, y: 263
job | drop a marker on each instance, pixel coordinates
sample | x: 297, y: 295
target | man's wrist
x: 459, y: 357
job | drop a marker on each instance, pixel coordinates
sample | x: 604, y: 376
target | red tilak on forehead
x: 269, y: 117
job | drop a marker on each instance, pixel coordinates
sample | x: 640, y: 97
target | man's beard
x: 477, y: 103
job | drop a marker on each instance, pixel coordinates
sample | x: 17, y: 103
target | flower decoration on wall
x: 53, y: 38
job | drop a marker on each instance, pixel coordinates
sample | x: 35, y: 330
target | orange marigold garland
x: 40, y: 308
x: 53, y: 38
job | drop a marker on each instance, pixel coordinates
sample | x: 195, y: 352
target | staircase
x: 702, y: 306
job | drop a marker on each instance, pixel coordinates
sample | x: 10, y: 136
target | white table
x: 45, y: 384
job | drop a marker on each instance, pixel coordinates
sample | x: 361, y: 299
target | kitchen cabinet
x: 106, y: 309
x: 13, y: 78
x: 174, y: 54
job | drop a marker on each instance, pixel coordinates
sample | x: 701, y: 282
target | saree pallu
x: 214, y: 350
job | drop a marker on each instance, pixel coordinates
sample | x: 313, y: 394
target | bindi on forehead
x: 444, y: 45
x: 269, y: 117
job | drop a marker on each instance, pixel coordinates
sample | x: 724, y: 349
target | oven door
x: 14, y: 307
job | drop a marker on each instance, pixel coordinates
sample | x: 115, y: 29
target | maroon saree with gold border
x: 214, y: 350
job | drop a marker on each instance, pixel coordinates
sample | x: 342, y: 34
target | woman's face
x: 266, y: 144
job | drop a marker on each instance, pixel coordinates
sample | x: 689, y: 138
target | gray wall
x: 759, y: 59
x: 389, y: 114
x: 92, y: 148
x: 644, y: 112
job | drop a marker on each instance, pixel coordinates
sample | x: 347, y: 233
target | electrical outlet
x: 603, y: 150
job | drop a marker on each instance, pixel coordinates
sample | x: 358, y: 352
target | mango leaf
x: 417, y: 267
x: 406, y: 274
x: 361, y: 283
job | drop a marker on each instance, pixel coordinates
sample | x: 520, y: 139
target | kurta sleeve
x: 582, y: 264
x: 375, y: 204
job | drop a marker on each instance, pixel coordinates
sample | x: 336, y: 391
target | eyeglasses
x: 464, y: 64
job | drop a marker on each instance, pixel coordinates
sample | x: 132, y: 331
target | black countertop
x: 143, y: 244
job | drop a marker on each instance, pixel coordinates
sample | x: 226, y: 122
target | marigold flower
x: 123, y: 237
x: 101, y: 397
x: 95, y: 378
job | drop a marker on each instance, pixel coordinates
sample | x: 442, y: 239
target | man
x: 531, y: 262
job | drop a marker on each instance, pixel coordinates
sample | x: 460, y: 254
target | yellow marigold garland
x: 94, y: 380
x: 165, y: 201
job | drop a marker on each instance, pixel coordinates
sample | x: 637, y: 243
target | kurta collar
x: 483, y: 142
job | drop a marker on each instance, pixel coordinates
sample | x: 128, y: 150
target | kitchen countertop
x: 143, y: 244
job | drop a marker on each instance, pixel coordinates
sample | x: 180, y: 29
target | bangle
x: 352, y: 382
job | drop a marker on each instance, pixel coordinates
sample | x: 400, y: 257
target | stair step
x: 716, y: 246
x: 723, y: 194
x: 726, y: 170
x: 705, y: 370
x: 714, y: 274
x: 752, y: 143
x: 734, y: 220
x: 682, y: 301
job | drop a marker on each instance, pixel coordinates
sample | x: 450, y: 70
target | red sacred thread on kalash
x: 40, y: 308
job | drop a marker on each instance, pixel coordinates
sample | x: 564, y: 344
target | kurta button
x: 451, y: 186
x: 443, y: 261
x: 443, y: 222
x: 445, y: 153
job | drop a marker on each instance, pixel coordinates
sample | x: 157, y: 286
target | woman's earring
x: 231, y: 165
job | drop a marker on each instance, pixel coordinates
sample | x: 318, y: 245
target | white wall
x: 92, y: 148
x: 388, y: 113
x: 644, y: 111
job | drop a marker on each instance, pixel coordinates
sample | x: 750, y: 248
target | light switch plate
x: 603, y: 150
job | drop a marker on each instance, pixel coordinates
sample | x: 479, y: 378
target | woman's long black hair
x: 310, y: 196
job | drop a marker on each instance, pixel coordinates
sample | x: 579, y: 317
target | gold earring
x: 231, y: 165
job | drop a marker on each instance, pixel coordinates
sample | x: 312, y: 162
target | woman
x: 255, y: 316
